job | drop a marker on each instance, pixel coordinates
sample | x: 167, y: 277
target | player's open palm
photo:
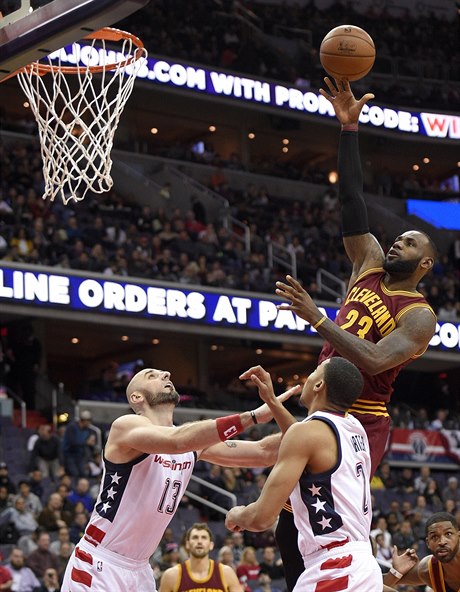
x: 346, y: 106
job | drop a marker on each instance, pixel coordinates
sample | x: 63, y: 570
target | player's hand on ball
x: 346, y: 106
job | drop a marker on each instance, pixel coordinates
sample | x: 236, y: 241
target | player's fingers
x: 365, y: 98
x: 325, y: 95
x: 284, y: 307
x: 294, y: 390
x: 286, y: 297
x: 256, y: 380
x: 252, y: 369
x: 286, y: 292
x: 341, y: 84
x: 330, y: 86
x: 295, y: 283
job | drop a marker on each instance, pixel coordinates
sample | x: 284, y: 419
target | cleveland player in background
x: 147, y: 466
x: 383, y: 323
x: 199, y: 571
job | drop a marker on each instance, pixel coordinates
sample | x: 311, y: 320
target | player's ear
x: 211, y: 546
x: 136, y: 397
x: 427, y: 263
x: 319, y: 384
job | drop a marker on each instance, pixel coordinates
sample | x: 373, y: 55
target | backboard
x: 27, y: 35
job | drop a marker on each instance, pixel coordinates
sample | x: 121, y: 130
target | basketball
x: 347, y: 52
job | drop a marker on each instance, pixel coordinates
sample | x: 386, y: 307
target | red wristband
x: 350, y: 127
x: 229, y: 426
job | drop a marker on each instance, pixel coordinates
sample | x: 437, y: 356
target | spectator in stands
x: 22, y: 518
x: 53, y: 517
x: 392, y: 522
x: 168, y: 537
x: 248, y: 568
x: 28, y: 542
x: 385, y: 474
x: 24, y: 579
x: 420, y: 421
x: 75, y: 445
x: 63, y: 537
x: 451, y: 491
x: 422, y: 480
x: 395, y: 508
x: 421, y: 507
x: 77, y: 528
x: 439, y: 422
x: 63, y: 490
x: 383, y: 552
x: 36, y: 482
x: 5, y: 498
x: 236, y: 542
x: 433, y: 496
x: 46, y: 453
x: 270, y: 564
x: 6, y: 578
x: 406, y: 480
x: 63, y: 556
x: 225, y: 556
x: 404, y: 538
x: 265, y: 584
x: 21, y: 241
x: 81, y: 494
x: 170, y: 557
x: 418, y: 525
x: 5, y: 480
x: 32, y: 502
x: 450, y: 506
x: 382, y: 528
x: 42, y: 559
x: 50, y: 581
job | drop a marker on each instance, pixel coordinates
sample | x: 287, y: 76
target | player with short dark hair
x: 199, y: 571
x: 383, y: 323
x: 440, y: 570
x: 324, y: 465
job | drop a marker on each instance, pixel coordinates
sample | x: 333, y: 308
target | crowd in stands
x: 248, y: 37
x: 44, y: 511
x: 114, y: 236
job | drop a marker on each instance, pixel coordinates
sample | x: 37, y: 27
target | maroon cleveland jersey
x: 371, y: 311
x: 214, y: 581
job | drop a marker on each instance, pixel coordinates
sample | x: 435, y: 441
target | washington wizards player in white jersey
x: 147, y: 466
x: 323, y: 466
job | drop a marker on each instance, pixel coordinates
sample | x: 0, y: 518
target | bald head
x: 135, y: 382
x: 151, y: 387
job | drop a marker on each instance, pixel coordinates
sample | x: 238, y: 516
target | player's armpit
x: 364, y: 252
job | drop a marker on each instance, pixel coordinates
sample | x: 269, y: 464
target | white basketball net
x: 78, y: 114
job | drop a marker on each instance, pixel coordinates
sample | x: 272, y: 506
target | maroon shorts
x: 378, y: 430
